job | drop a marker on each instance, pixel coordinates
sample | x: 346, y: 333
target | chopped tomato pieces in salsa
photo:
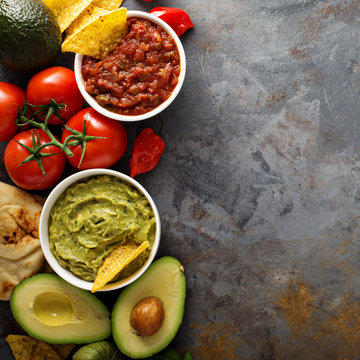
x: 139, y: 74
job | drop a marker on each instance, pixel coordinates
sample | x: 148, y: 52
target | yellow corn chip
x: 90, y: 14
x: 100, y: 36
x: 107, y: 4
x: 63, y: 350
x: 22, y: 346
x: 93, y: 11
x: 66, y: 11
x: 25, y: 347
x: 119, y: 257
x: 45, y: 351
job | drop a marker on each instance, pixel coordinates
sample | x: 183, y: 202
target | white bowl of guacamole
x: 89, y: 214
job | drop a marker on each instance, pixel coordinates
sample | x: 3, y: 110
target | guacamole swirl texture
x: 92, y: 217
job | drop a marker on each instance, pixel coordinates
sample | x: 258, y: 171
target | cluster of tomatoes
x: 32, y: 158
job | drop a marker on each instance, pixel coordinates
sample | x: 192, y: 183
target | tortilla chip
x: 63, y: 350
x: 119, y: 257
x: 22, y: 346
x: 66, y: 11
x: 100, y: 36
x: 107, y: 4
x: 92, y: 12
x: 45, y: 351
x: 25, y: 347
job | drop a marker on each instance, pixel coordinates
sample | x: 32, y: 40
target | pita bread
x: 20, y: 252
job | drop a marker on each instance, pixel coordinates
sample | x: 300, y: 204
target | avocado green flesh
x: 30, y: 37
x: 165, y: 280
x: 50, y: 309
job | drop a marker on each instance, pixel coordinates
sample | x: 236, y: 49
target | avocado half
x: 165, y: 280
x: 52, y: 310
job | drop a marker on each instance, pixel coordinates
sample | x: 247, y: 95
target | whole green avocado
x: 30, y: 37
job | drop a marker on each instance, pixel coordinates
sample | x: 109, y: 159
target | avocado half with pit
x: 148, y: 312
x: 50, y: 309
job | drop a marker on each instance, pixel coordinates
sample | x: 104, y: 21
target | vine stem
x: 52, y: 108
x: 76, y: 137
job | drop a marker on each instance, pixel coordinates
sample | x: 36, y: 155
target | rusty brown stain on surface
x: 298, y: 54
x: 285, y: 141
x: 297, y: 305
x: 217, y: 341
x: 299, y: 121
x: 315, y: 76
x: 194, y: 325
x: 345, y: 326
x: 344, y: 266
x: 209, y: 44
x: 275, y: 98
x: 311, y: 28
x: 326, y: 328
x: 347, y: 11
x: 197, y: 211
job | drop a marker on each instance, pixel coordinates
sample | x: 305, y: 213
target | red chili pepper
x: 146, y: 152
x: 178, y: 19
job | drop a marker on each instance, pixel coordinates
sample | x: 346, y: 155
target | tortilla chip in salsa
x: 100, y: 36
x: 119, y: 257
x: 66, y: 11
x: 92, y: 12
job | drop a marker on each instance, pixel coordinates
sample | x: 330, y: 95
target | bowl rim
x: 44, y: 236
x: 133, y: 118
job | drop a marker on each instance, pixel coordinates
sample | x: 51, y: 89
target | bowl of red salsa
x: 140, y: 77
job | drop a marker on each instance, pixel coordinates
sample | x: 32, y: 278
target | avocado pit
x: 147, y: 316
x: 52, y: 308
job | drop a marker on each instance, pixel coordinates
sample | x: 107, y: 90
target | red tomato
x: 56, y: 83
x: 100, y: 153
x: 29, y: 176
x: 12, y: 97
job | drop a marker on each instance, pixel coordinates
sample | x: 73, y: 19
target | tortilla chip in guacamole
x: 119, y: 257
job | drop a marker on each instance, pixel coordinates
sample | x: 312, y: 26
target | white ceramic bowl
x: 44, y: 234
x: 94, y: 104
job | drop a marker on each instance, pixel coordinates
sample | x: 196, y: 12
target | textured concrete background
x: 258, y: 189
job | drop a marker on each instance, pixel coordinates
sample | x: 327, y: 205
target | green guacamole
x: 92, y: 217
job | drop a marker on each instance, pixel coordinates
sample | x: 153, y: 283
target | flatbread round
x: 20, y: 251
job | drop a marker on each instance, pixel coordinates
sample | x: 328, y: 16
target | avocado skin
x: 30, y: 37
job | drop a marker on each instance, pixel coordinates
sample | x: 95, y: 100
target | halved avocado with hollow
x: 148, y: 313
x: 50, y: 309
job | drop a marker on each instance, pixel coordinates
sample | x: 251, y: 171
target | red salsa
x: 139, y: 75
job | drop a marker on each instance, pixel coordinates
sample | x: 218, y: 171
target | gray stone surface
x: 258, y: 189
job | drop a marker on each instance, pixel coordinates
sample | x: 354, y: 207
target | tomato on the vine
x: 57, y: 83
x: 101, y: 152
x: 12, y: 98
x: 29, y: 175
